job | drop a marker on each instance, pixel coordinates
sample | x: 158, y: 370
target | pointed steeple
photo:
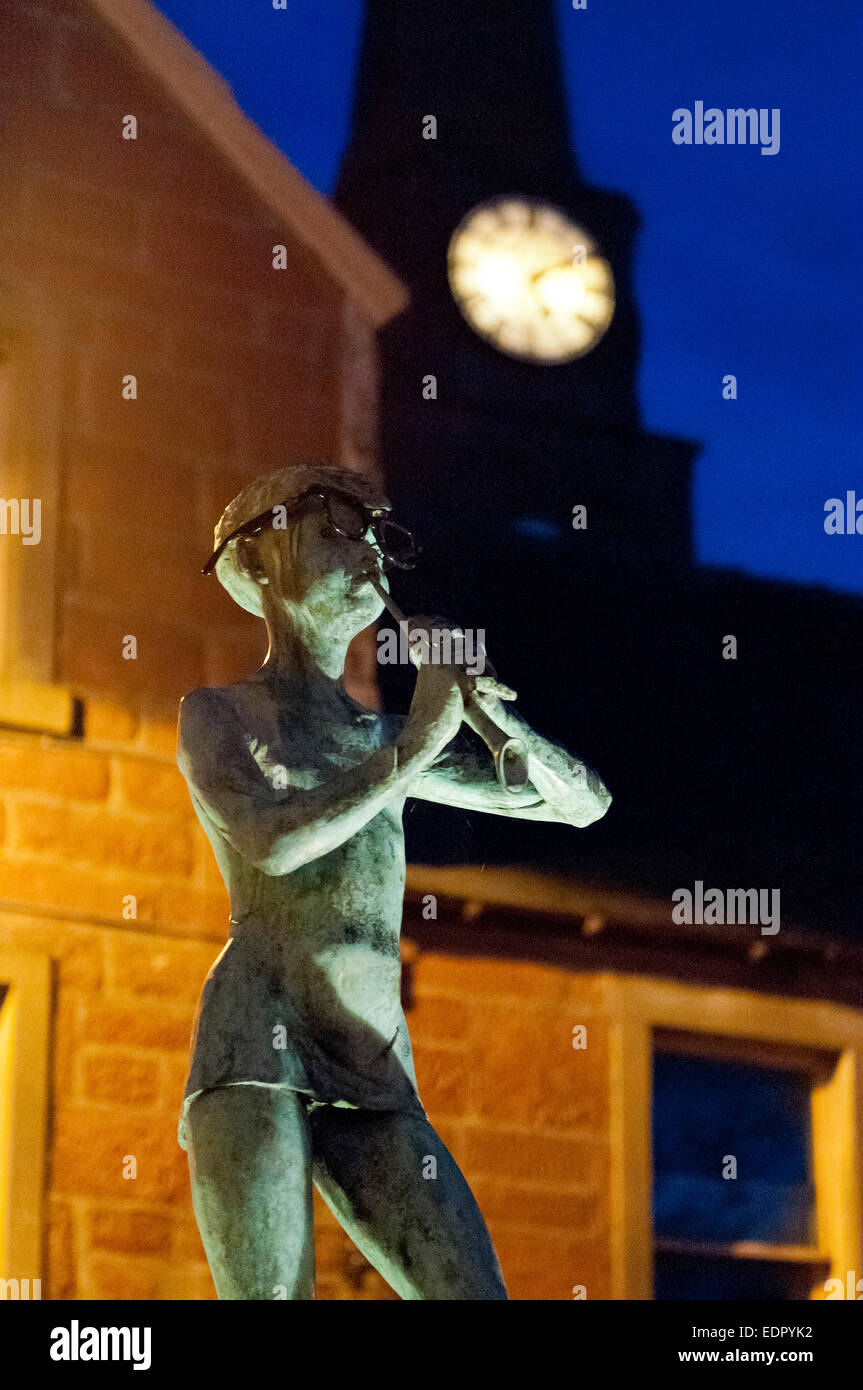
x: 488, y: 71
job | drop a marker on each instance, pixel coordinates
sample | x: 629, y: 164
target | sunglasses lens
x: 348, y: 518
x: 396, y: 543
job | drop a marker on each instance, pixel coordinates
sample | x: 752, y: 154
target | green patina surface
x: 301, y: 1068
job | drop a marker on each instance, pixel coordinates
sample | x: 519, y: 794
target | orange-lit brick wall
x: 524, y: 1113
x: 155, y: 260
x: 123, y: 1004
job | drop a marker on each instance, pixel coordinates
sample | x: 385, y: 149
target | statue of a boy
x: 301, y: 1070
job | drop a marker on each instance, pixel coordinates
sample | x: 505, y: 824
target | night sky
x: 745, y: 262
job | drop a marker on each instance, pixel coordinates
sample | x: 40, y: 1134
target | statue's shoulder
x: 204, y: 707
x: 204, y: 697
x: 241, y: 700
x: 209, y: 730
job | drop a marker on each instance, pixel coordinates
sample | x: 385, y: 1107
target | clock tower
x: 510, y: 430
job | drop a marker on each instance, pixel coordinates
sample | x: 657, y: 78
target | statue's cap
x: 285, y: 485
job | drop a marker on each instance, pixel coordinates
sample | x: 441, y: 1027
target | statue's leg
x: 398, y: 1192
x: 250, y: 1165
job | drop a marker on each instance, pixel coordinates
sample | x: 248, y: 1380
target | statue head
x: 304, y: 539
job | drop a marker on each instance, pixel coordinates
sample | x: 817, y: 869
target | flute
x: 509, y: 753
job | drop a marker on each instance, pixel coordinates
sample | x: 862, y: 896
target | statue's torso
x: 322, y: 942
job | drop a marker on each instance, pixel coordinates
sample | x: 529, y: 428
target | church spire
x: 487, y: 70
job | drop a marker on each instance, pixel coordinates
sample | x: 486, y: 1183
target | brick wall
x: 156, y: 261
x: 153, y: 259
x: 524, y: 1113
x: 120, y: 1033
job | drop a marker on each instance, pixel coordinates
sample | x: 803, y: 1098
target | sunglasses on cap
x: 346, y: 516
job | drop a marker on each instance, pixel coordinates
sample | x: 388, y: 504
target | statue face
x: 333, y: 573
x: 325, y: 574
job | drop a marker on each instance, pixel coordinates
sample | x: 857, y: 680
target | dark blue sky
x: 746, y: 262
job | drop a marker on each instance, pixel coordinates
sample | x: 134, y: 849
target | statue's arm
x: 278, y: 830
x: 561, y: 787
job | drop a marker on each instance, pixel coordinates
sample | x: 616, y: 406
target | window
x: 25, y: 988
x: 700, y: 1073
x: 734, y: 1197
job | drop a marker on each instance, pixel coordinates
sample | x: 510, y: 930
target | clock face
x: 529, y: 281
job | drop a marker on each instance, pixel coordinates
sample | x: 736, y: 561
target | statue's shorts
x: 249, y: 1032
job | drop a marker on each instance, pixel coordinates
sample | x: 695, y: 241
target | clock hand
x: 559, y: 265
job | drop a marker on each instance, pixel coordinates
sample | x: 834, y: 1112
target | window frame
x: 25, y: 1032
x: 738, y: 1019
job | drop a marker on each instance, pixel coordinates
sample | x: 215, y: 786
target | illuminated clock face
x: 529, y: 281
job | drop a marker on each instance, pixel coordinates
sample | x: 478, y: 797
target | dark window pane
x: 705, y: 1109
x: 692, y: 1276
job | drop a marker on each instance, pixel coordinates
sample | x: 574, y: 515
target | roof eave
x: 195, y: 87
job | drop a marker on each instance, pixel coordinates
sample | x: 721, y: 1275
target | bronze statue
x: 301, y: 1069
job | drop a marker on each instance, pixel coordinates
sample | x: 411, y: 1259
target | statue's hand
x: 428, y: 644
x: 487, y: 688
x: 435, y: 715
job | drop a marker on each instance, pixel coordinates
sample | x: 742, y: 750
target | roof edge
x: 531, y: 889
x: 207, y: 99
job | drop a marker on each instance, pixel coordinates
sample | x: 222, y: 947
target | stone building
x: 153, y: 360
